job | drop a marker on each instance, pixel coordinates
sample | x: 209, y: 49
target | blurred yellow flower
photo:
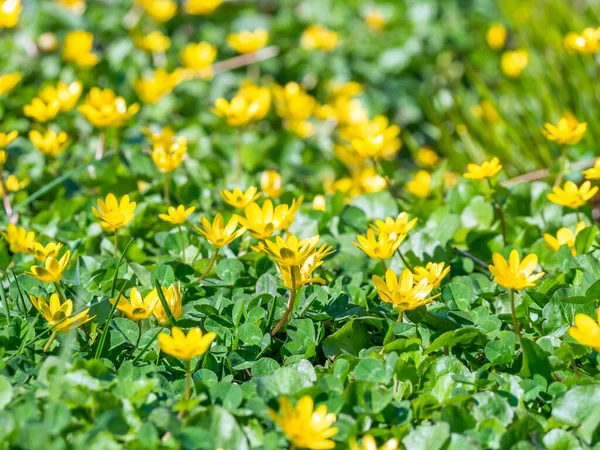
x: 8, y: 81
x: 375, y: 19
x: 369, y: 443
x: 271, y: 183
x: 153, y: 88
x: 50, y: 142
x: 515, y: 274
x: 75, y: 5
x: 137, y: 307
x: 9, y: 13
x: 52, y: 270
x: 13, y: 184
x: 434, y: 273
x: 78, y: 48
x: 172, y: 296
x: 487, y: 170
x: 262, y: 222
x: 319, y: 203
x: 496, y: 36
x: 367, y: 180
x: 586, y: 331
x: 198, y: 56
x: 381, y: 246
x: 420, y: 185
x: 42, y: 111
x: 572, y: 196
x: 564, y: 236
x: 248, y: 41
x: 592, y: 173
x: 103, y: 108
x: 514, y: 62
x: 568, y: 130
x: 292, y: 102
x: 588, y: 42
x: 258, y: 97
x: 373, y: 138
x: 6, y: 139
x: 305, y: 426
x: 153, y: 42
x: 160, y: 10
x: 185, y: 347
x: 114, y: 214
x: 404, y: 293
x: 3, y: 158
x: 399, y: 225
x: 486, y: 112
x: 164, y: 138
x: 317, y: 37
x: 47, y: 42
x: 239, y: 199
x: 178, y: 215
x: 168, y: 158
x: 60, y: 316
x: 426, y: 157
x: 66, y: 94
x: 18, y: 238
x: 450, y: 179
x: 201, y: 7
x: 219, y: 234
x: 301, y: 128
x: 42, y: 253
x: 239, y: 111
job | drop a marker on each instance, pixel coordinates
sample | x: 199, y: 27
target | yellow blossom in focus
x: 572, y: 196
x: 592, y: 173
x: 248, y: 41
x: 586, y: 331
x: 78, y: 48
x: 319, y: 203
x: 262, y: 222
x: 219, y: 234
x: 588, y: 42
x: 514, y: 62
x: 303, y: 274
x: 103, y: 108
x: 168, y: 158
x: 375, y: 20
x: 153, y: 42
x: 564, y: 236
x: 199, y: 57
x: 434, y: 273
x: 404, y: 293
x: 172, y: 296
x: 271, y: 183
x: 19, y: 239
x: 113, y: 213
x: 238, y: 198
x: 52, y: 270
x: 381, y: 246
x: 496, y: 36
x: 486, y: 112
x: 8, y: 81
x: 185, y: 347
x: 60, y: 316
x: 425, y: 156
x: 50, y: 142
x: 137, y: 307
x: 160, y: 10
x: 42, y: 111
x: 201, y: 7
x: 9, y: 13
x: 178, y: 215
x: 420, y: 185
x: 66, y: 94
x: 292, y: 251
x: 153, y: 88
x: 399, y: 225
x: 369, y: 443
x: 486, y: 170
x: 568, y: 130
x: 317, y: 37
x: 305, y: 426
x: 6, y: 139
x: 43, y: 252
x: 515, y: 274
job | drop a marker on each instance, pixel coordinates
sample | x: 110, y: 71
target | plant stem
x: 166, y: 189
x: 139, y: 336
x: 210, y: 264
x: 136, y: 359
x: 400, y: 315
x: 50, y: 341
x: 563, y: 163
x: 60, y: 293
x: 12, y: 215
x: 578, y: 215
x: 116, y: 249
x: 290, y: 306
x: 514, y: 316
x: 182, y: 244
x: 384, y: 264
x: 188, y: 380
x: 100, y: 147
x: 406, y: 263
x: 502, y: 220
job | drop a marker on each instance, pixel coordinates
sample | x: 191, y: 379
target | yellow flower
x: 185, y: 347
x: 12, y: 184
x: 52, y: 270
x: 373, y: 138
x: 425, y: 156
x: 496, y: 36
x: 219, y: 234
x: 317, y: 37
x: 198, y: 56
x: 420, y: 185
x: 50, y: 143
x: 9, y: 13
x: 486, y: 112
x: 369, y: 443
x: 450, y: 179
x: 172, y: 296
x: 405, y: 293
x: 301, y: 128
x: 3, y: 158
x: 514, y: 62
x: 178, y: 215
x: 114, y: 214
x: 42, y: 253
x: 160, y: 10
x: 248, y: 41
x: 434, y: 273
x: 137, y: 307
x: 239, y: 199
x: 564, y: 236
x: 303, y: 274
x: 78, y: 48
x: 167, y: 159
x: 588, y: 42
x: 8, y: 81
x: 239, y: 111
x: 292, y: 102
x: 7, y: 138
x: 305, y: 426
x: 18, y: 238
x: 152, y: 89
x: 292, y: 251
x: 488, y: 169
x: 153, y: 42
x: 103, y: 108
x: 164, y: 138
x: 262, y: 222
x: 42, y: 111
x: 288, y: 213
x: 258, y: 97
x: 66, y: 94
x: 201, y: 7
x: 399, y: 225
x: 319, y: 203
x: 75, y: 5
x: 572, y: 196
x: 586, y: 331
x: 375, y: 20
x: 590, y: 174
x: 381, y: 247
x: 270, y: 183
x: 47, y: 42
x: 515, y: 274
x: 60, y: 316
x: 568, y: 130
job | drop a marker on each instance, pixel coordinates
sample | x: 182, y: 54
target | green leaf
x: 6, y: 391
x: 585, y: 239
x: 575, y: 406
x: 349, y: 339
x: 535, y: 361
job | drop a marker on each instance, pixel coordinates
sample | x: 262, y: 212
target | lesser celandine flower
x: 592, y: 173
x: 172, y: 296
x: 426, y: 157
x: 52, y: 270
x: 164, y: 138
x: 262, y: 222
x: 288, y: 213
x: 248, y: 41
x: 486, y: 112
x: 43, y: 252
x: 153, y: 42
x: 399, y: 225
x: 219, y: 234
x: 434, y: 273
x: 238, y: 198
x: 305, y: 426
x: 568, y: 130
x: 185, y: 347
x: 586, y: 331
x: 8, y: 81
x: 496, y: 36
x: 160, y: 10
x: 243, y: 107
x: 78, y: 48
x: 153, y: 88
x: 41, y: 110
x: 290, y: 251
x: 178, y: 215
x: 514, y: 62
x: 19, y: 239
x: 292, y: 102
x: 369, y: 443
x: 515, y: 274
x: 66, y: 94
x: 487, y: 170
x: 296, y: 276
x: 7, y: 138
x: 373, y: 138
x: 13, y: 184
x: 137, y: 307
x: 587, y: 42
x: 3, y: 158
x: 572, y: 196
x: 375, y: 19
x: 75, y: 5
x: 201, y: 7
x: 270, y: 183
x: 319, y: 203
x: 168, y: 158
x: 9, y: 13
x: 420, y: 185
x: 317, y: 37
x: 404, y: 293
x: 113, y: 213
x: 50, y: 142
x: 103, y: 108
x: 199, y: 56
x: 564, y: 236
x: 381, y: 246
x: 257, y: 96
